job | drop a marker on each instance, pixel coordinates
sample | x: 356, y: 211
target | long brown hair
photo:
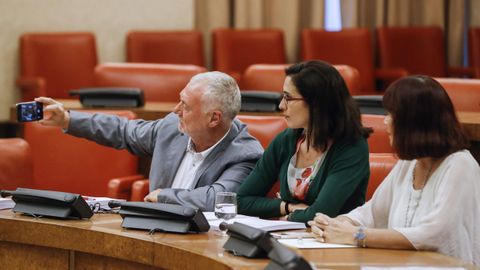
x: 333, y: 113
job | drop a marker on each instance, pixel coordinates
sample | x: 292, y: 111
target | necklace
x: 408, y: 223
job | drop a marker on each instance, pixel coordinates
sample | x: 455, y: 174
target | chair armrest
x: 121, y: 188
x: 140, y: 189
x: 390, y: 75
x: 461, y: 72
x: 31, y: 87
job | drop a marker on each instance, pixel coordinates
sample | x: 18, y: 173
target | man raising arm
x: 198, y: 150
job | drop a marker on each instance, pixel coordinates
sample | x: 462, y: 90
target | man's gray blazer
x: 224, y: 169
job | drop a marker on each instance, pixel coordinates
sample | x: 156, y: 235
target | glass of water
x: 225, y: 206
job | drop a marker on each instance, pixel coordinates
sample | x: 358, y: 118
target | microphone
x: 114, y: 204
x: 5, y: 193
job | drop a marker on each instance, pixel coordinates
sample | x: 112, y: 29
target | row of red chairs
x: 163, y: 82
x: 50, y: 159
x: 464, y: 93
x: 60, y: 62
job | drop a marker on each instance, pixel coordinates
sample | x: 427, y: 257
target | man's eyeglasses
x: 288, y: 98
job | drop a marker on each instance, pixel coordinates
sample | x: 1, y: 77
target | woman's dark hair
x: 423, y: 118
x: 333, y: 112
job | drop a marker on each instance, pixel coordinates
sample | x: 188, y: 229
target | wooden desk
x: 156, y: 110
x: 100, y: 243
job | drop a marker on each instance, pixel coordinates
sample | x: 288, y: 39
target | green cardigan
x: 338, y: 187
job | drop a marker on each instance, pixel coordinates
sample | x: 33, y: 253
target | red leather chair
x: 271, y: 77
x: 160, y: 82
x: 51, y: 64
x: 234, y: 50
x: 353, y: 47
x: 474, y: 49
x: 379, y: 141
x: 66, y: 163
x: 464, y: 93
x: 16, y: 164
x: 418, y: 50
x: 167, y: 47
x: 127, y: 188
x: 140, y: 189
x: 264, y: 128
x: 380, y: 166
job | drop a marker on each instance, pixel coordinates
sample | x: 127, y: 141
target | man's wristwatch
x: 360, y: 236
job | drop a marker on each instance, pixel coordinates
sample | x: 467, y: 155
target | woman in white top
x: 431, y: 198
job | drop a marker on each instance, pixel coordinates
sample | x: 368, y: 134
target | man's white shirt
x: 190, y: 163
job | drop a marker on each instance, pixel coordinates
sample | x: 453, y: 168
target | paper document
x: 6, y: 203
x: 411, y: 268
x: 292, y: 235
x: 263, y: 224
x: 310, y: 243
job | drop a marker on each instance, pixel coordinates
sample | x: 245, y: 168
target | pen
x: 292, y: 235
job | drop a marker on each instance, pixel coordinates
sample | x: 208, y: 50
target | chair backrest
x: 70, y: 164
x: 167, y: 47
x: 264, y: 128
x: 160, y: 82
x: 464, y: 93
x: 16, y: 164
x: 234, y: 50
x: 380, y: 166
x: 379, y: 141
x: 64, y: 60
x: 271, y: 77
x: 474, y: 49
x: 353, y: 47
x: 419, y: 50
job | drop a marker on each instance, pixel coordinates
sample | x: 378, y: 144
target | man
x: 196, y: 151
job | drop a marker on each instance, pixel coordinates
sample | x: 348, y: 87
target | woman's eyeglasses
x: 288, y: 98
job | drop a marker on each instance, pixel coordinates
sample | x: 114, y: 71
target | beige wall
x: 110, y: 20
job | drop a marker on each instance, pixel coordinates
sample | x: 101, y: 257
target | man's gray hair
x: 222, y: 93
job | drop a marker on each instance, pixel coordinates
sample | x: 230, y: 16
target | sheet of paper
x: 292, y: 235
x: 310, y: 243
x: 6, y: 203
x: 411, y: 268
x: 211, y: 216
x: 264, y: 224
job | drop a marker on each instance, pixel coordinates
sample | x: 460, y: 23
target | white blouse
x: 447, y: 216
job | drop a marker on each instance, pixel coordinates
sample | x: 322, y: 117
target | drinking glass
x: 225, y: 206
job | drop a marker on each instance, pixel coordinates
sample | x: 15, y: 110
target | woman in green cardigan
x: 321, y: 160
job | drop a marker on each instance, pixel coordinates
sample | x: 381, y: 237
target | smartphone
x: 29, y: 111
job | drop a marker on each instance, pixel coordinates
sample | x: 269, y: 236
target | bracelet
x: 360, y: 236
x: 286, y: 208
